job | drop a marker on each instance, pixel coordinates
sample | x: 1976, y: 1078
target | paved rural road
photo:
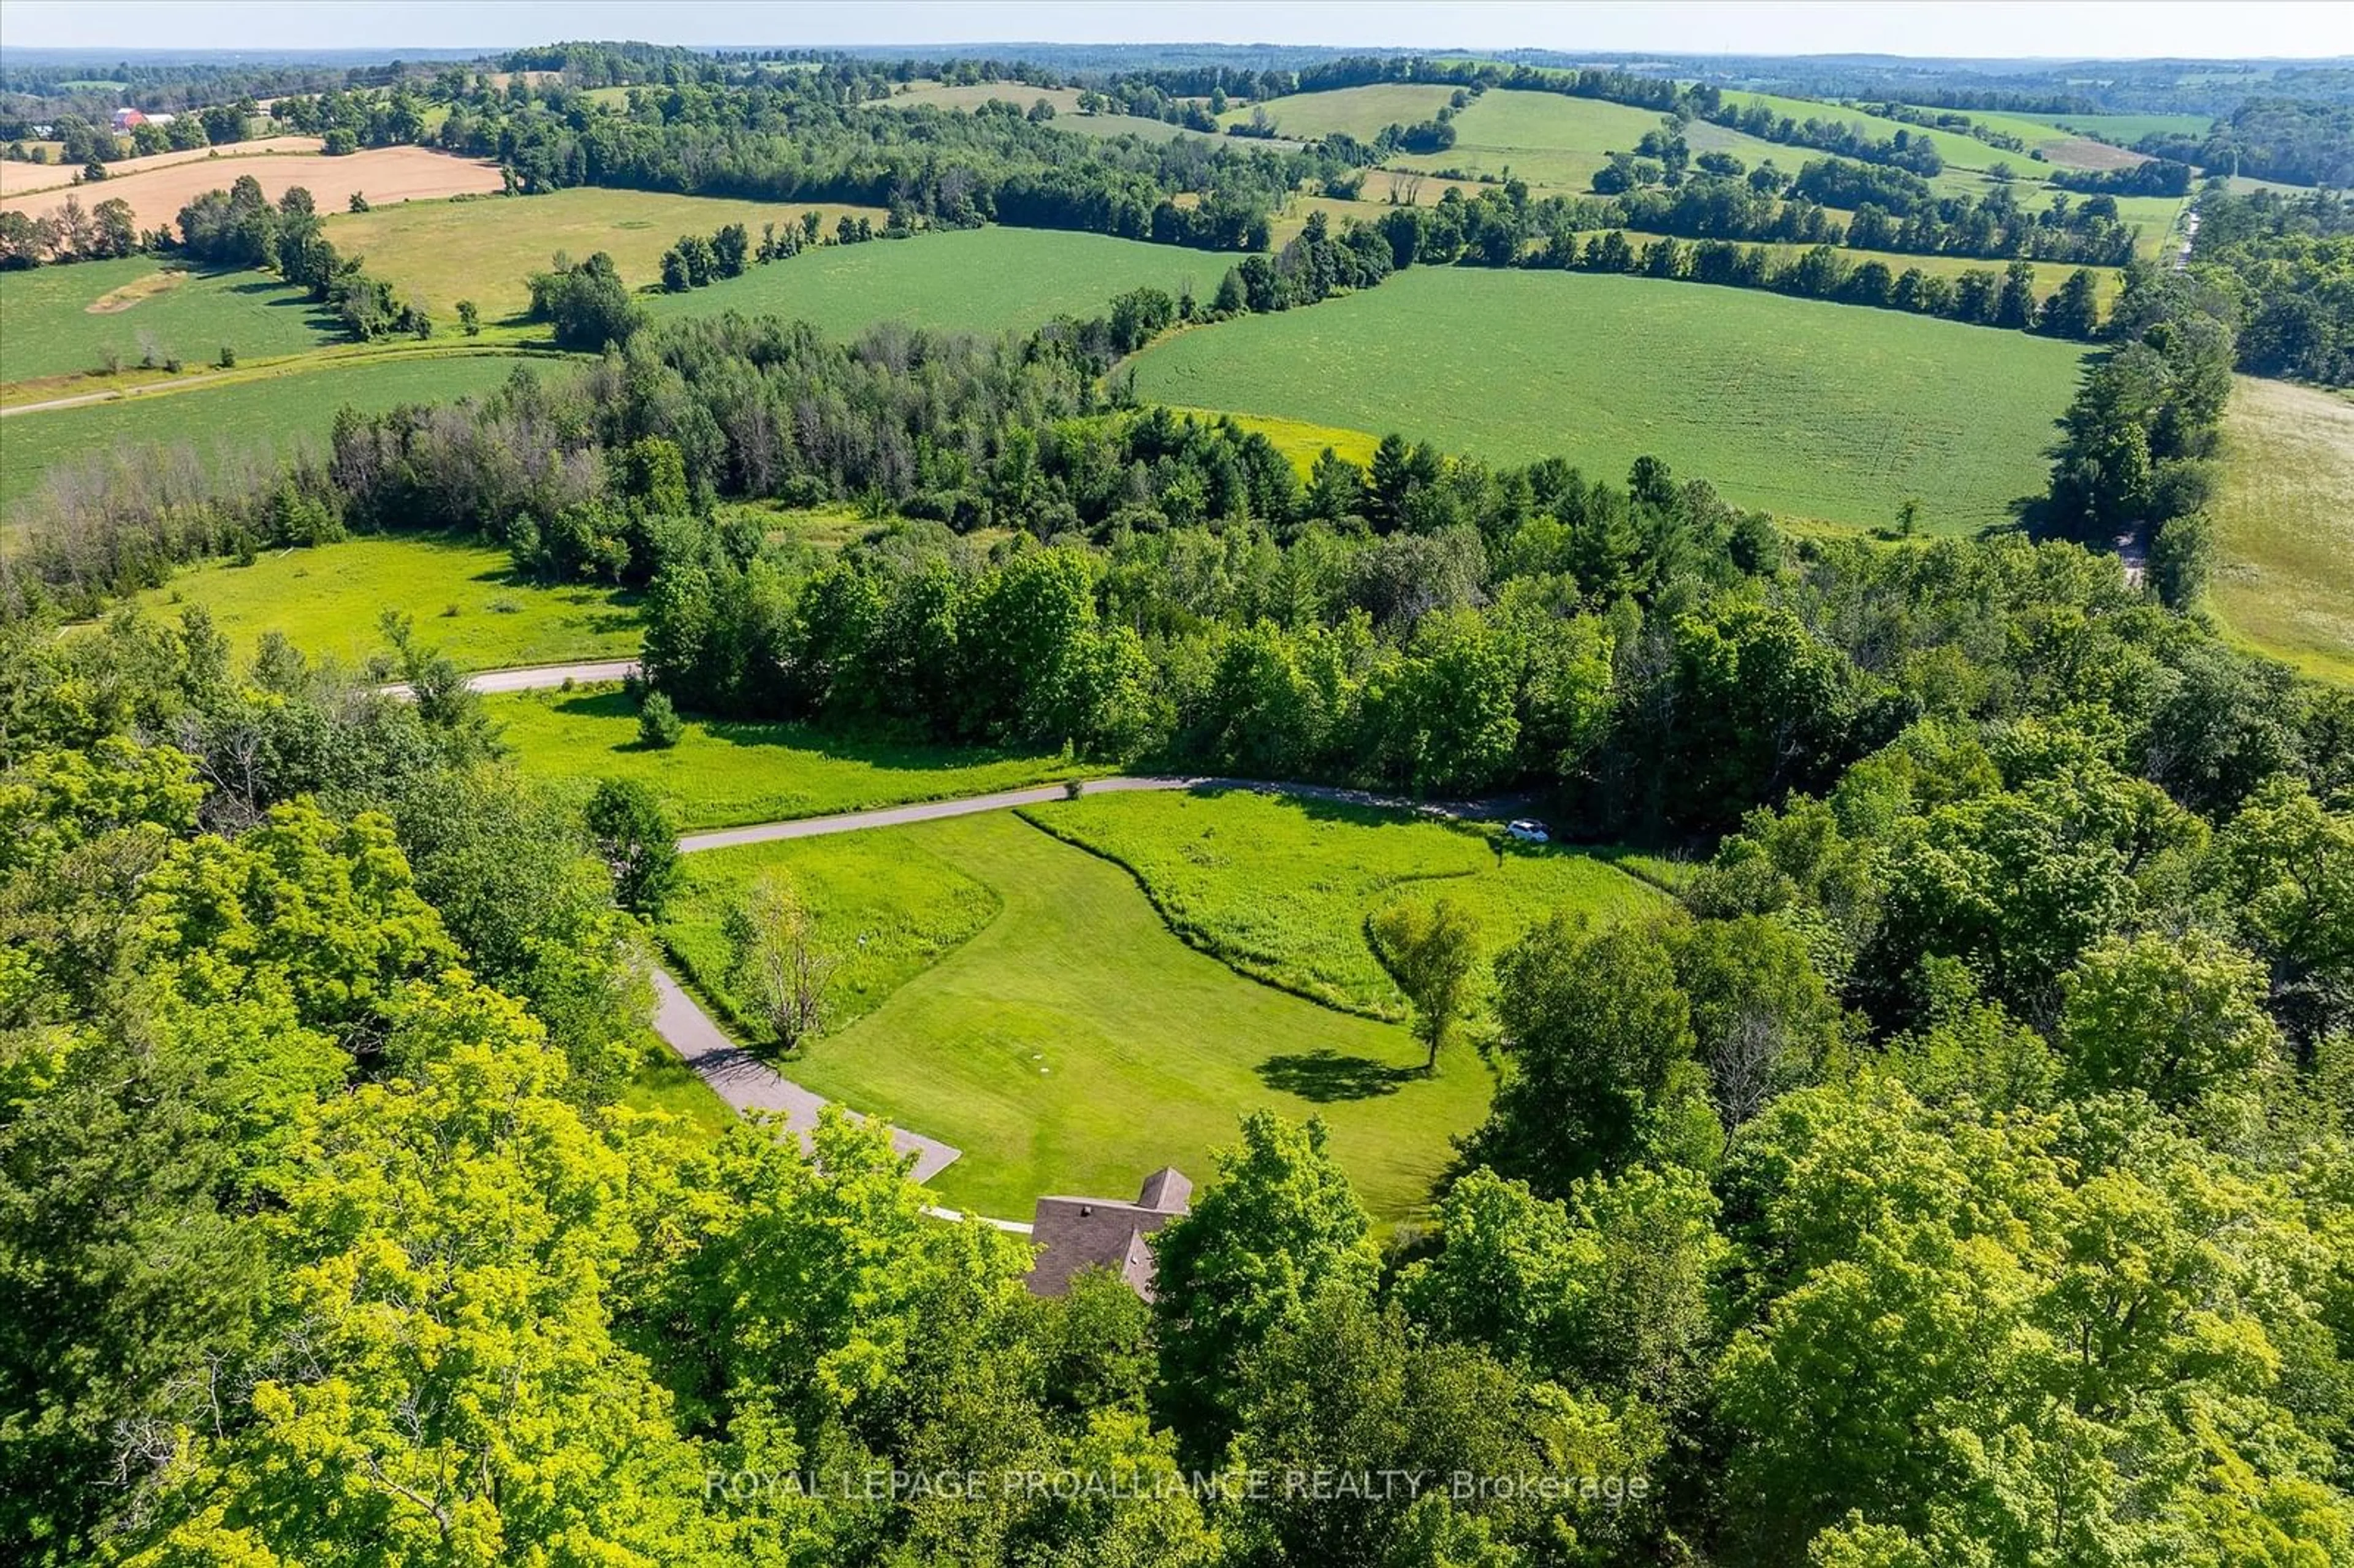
x: 1039, y: 795
x: 535, y: 677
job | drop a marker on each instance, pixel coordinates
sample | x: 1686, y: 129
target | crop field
x: 62, y: 321
x: 442, y: 252
x: 988, y: 280
x: 1073, y: 1043
x: 1283, y: 889
x: 723, y: 773
x: 1810, y: 409
x: 267, y: 413
x: 20, y: 179
x: 2285, y: 526
x: 465, y: 598
x: 384, y: 174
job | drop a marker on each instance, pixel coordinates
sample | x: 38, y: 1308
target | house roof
x: 1076, y: 1234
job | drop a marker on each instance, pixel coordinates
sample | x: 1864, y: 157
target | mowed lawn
x: 274, y: 413
x: 61, y: 321
x: 1073, y: 1043
x: 2285, y: 525
x: 1283, y: 889
x: 465, y: 598
x: 988, y: 280
x: 723, y: 773
x: 485, y: 250
x: 1808, y: 408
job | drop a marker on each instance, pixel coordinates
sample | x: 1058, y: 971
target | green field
x: 975, y: 279
x: 1359, y: 112
x: 664, y: 1084
x: 1299, y: 442
x: 1065, y: 99
x: 1072, y: 1044
x: 443, y: 252
x: 887, y: 909
x: 2127, y: 129
x: 1810, y: 409
x: 52, y: 330
x: 268, y: 413
x: 1958, y: 151
x: 1283, y: 889
x: 725, y: 773
x: 1557, y: 142
x: 2285, y: 525
x: 465, y: 598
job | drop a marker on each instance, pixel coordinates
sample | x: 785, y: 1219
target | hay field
x: 384, y: 174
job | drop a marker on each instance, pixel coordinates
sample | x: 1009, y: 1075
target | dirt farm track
x: 156, y: 195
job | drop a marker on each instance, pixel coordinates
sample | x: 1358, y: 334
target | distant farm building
x: 1072, y: 1234
x: 132, y: 118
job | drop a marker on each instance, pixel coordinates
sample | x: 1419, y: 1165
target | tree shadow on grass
x: 1325, y: 1076
x: 876, y: 748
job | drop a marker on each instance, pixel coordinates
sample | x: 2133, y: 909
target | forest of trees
x: 1960, y: 1174
x: 1957, y: 1169
x: 2300, y: 142
x: 2283, y: 266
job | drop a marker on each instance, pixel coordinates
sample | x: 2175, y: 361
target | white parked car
x: 1529, y: 831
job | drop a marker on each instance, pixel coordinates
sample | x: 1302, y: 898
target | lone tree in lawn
x: 775, y: 964
x: 1431, y: 951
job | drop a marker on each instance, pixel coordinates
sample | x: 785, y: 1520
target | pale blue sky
x: 2116, y: 29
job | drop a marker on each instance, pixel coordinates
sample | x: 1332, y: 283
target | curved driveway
x: 750, y: 1084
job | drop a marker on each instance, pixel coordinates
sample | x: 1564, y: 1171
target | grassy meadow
x: 988, y: 280
x: 1064, y: 101
x: 466, y: 599
x: 723, y: 773
x: 62, y: 321
x: 2127, y: 129
x: 1284, y: 889
x: 1302, y: 443
x: 483, y: 251
x: 2285, y: 526
x: 1072, y: 1043
x: 1359, y: 112
x: 240, y: 415
x: 887, y: 909
x: 1812, y: 409
x: 1556, y: 143
x: 1959, y: 151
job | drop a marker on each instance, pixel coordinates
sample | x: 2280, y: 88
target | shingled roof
x: 1072, y: 1234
